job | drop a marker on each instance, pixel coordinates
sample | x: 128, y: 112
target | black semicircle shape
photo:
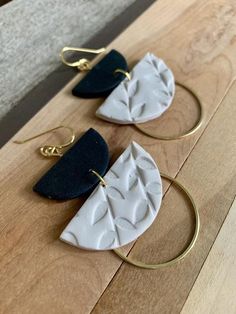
x: 71, y: 177
x: 101, y: 79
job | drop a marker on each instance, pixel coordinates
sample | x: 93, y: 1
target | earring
x: 71, y: 177
x: 123, y: 207
x: 100, y: 79
x: 145, y: 94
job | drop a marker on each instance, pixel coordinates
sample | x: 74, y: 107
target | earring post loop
x: 177, y: 259
x: 82, y: 64
x: 51, y: 150
x: 102, y: 181
x: 127, y: 74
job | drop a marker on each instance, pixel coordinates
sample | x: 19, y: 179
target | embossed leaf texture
x: 153, y: 188
x: 124, y: 223
x: 114, y: 193
x: 107, y: 239
x: 99, y: 212
x: 132, y: 180
x: 126, y: 157
x: 132, y: 87
x: 149, y: 93
x: 112, y: 175
x: 166, y: 77
x: 123, y: 103
x: 119, y: 213
x: 145, y: 163
x: 141, y: 211
x: 137, y: 110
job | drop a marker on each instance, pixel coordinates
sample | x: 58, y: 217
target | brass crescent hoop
x: 177, y: 137
x: 185, y: 252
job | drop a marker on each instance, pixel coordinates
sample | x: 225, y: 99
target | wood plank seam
x: 209, y: 252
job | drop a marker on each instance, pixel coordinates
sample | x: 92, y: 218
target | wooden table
x: 40, y: 274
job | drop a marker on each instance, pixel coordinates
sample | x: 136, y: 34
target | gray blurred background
x: 32, y: 34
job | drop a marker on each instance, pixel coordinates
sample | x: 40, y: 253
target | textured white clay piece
x: 146, y: 96
x: 120, y: 212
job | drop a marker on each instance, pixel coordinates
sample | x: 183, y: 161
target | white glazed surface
x: 120, y: 212
x: 146, y: 96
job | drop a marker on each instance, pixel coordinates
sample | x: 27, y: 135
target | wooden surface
x: 217, y: 278
x: 40, y: 274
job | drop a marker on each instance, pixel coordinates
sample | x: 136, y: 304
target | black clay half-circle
x: 101, y: 79
x: 71, y: 177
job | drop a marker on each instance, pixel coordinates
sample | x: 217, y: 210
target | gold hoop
x: 102, y: 181
x: 177, y: 137
x: 186, y: 251
x: 127, y: 74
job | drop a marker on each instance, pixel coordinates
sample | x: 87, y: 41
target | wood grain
x: 39, y: 273
x: 214, y: 290
x: 210, y: 175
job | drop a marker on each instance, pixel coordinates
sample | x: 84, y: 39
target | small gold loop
x: 102, y: 181
x: 127, y: 74
x: 51, y: 150
x: 82, y: 64
x: 177, y: 137
x: 186, y: 251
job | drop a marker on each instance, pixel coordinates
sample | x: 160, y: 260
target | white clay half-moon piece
x: 146, y: 96
x: 120, y: 212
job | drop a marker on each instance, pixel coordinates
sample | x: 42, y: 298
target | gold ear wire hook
x: 51, y: 150
x: 82, y: 64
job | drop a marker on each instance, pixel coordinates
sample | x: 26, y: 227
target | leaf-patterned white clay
x: 114, y: 193
x: 141, y: 211
x: 132, y: 87
x: 107, y: 239
x: 145, y: 163
x: 153, y: 188
x: 112, y: 175
x: 70, y: 237
x: 132, y: 180
x: 124, y: 223
x: 130, y: 208
x: 99, y: 213
x: 152, y: 84
x: 137, y: 110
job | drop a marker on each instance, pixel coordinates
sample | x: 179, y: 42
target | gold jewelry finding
x: 190, y: 132
x: 82, y: 64
x: 51, y: 150
x: 127, y: 74
x: 186, y: 251
x: 102, y: 181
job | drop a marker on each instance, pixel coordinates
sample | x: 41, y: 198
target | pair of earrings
x: 134, y: 97
x: 122, y: 205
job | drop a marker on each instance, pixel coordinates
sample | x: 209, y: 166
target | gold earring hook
x: 51, y: 150
x: 82, y: 64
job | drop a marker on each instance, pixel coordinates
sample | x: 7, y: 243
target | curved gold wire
x: 51, y: 150
x: 82, y: 64
x: 102, y: 181
x: 127, y: 74
x: 185, y: 252
x: 176, y: 137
